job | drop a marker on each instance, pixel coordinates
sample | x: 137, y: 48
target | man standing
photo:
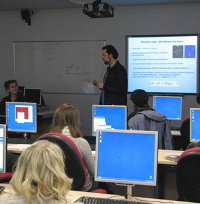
x: 114, y: 85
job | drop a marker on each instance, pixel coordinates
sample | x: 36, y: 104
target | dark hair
x: 193, y: 145
x: 9, y: 82
x: 140, y: 98
x: 111, y: 50
x: 198, y: 98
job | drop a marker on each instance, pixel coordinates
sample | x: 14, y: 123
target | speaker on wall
x: 25, y: 14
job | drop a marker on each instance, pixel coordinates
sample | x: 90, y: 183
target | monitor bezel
x: 4, y: 147
x: 40, y: 90
x: 191, y: 109
x: 169, y: 97
x: 21, y: 90
x: 35, y: 112
x: 129, y: 182
x: 109, y: 106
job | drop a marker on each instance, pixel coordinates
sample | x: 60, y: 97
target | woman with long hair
x: 66, y: 122
x: 40, y: 176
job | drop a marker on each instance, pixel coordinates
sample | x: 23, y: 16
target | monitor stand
x: 129, y: 189
x: 25, y: 135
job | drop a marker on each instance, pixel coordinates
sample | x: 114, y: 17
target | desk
x: 165, y: 167
x: 161, y: 154
x: 45, y: 114
x: 175, y: 133
x: 74, y: 195
x: 11, y: 148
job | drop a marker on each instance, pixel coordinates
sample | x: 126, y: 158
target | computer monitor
x: 33, y: 95
x: 3, y: 148
x: 108, y: 117
x: 126, y: 157
x: 21, y: 117
x: 21, y: 91
x: 170, y: 106
x: 194, y: 124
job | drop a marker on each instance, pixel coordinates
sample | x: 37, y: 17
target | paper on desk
x: 19, y: 146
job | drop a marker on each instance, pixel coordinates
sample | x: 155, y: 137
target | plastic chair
x: 75, y: 167
x: 185, y: 132
x: 5, y: 177
x: 188, y: 176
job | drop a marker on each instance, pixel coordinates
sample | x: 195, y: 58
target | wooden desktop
x: 74, y: 195
x: 161, y: 153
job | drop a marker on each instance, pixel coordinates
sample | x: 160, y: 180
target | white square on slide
x: 20, y: 117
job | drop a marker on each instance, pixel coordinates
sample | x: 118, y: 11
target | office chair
x: 5, y: 177
x: 188, y: 175
x: 185, y: 133
x: 74, y: 167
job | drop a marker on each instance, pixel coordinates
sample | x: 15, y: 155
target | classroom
x: 70, y: 24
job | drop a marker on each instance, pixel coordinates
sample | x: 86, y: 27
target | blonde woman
x: 66, y: 122
x: 40, y: 177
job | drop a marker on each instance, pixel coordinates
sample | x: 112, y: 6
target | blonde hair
x: 66, y: 115
x: 40, y: 173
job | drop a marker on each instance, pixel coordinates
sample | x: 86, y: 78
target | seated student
x: 40, y: 176
x: 13, y: 96
x: 66, y: 122
x: 149, y: 119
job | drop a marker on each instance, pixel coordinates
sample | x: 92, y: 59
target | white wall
x: 72, y: 24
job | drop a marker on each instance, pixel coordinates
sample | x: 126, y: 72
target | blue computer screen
x: 126, y: 156
x: 21, y: 117
x: 2, y: 148
x: 108, y: 117
x: 169, y: 106
x: 194, y: 124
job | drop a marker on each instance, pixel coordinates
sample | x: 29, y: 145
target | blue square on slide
x: 189, y: 51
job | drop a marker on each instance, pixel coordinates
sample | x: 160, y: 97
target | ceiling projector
x: 98, y: 10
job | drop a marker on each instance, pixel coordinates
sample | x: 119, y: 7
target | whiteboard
x: 59, y: 66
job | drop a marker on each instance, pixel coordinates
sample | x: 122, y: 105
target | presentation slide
x: 163, y: 64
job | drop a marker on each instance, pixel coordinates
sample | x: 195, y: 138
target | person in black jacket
x: 12, y: 87
x: 114, y: 85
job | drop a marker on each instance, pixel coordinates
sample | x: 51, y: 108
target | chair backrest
x: 185, y: 132
x: 188, y: 175
x: 74, y: 166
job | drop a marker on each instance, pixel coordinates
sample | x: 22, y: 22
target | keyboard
x: 20, y: 141
x: 92, y: 200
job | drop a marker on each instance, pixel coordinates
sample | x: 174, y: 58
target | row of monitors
x: 115, y: 117
x: 122, y: 150
x: 22, y: 117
